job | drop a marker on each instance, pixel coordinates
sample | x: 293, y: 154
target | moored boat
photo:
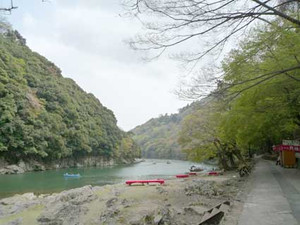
x: 182, y: 175
x: 71, y: 175
x: 195, y: 169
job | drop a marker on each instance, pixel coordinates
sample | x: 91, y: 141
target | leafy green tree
x: 261, y: 105
x: 265, y: 96
x: 46, y: 117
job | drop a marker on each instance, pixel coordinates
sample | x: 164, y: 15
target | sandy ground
x: 178, y: 201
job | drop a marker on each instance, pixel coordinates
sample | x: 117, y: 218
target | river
x: 53, y: 180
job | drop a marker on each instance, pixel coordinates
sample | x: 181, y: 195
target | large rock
x: 11, y: 169
x: 17, y: 203
x: 31, y: 165
x: 21, y: 167
x: 66, y: 207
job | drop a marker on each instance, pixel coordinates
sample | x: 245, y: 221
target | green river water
x: 54, y: 181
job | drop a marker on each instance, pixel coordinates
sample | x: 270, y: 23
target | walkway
x: 274, y: 198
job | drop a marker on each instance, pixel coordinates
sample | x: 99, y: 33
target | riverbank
x: 88, y: 161
x: 179, y: 201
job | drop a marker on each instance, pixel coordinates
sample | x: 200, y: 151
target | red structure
x: 182, y: 175
x: 287, y: 154
x: 294, y: 148
x: 192, y: 173
x: 130, y: 182
x: 213, y: 173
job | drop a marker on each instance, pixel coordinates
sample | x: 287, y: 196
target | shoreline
x: 179, y: 201
x: 84, y: 162
x: 52, y: 181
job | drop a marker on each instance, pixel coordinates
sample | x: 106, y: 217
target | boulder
x: 17, y: 203
x: 157, y: 219
x: 11, y: 169
x: 67, y: 206
x: 111, y: 202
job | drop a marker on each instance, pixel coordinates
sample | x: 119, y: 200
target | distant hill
x: 157, y: 137
x: 46, y: 117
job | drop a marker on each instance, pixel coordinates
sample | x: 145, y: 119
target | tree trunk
x: 231, y: 159
x: 239, y: 156
x: 221, y: 155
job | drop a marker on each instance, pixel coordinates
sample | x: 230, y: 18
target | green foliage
x: 45, y: 116
x: 269, y: 111
x: 202, y: 136
x: 264, y: 77
x: 158, y: 138
x: 197, y: 134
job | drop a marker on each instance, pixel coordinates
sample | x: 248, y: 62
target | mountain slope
x: 45, y: 117
x: 157, y: 137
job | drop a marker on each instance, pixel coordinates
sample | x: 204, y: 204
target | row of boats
x: 192, y: 169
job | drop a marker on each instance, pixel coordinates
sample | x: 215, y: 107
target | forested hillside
x: 158, y: 137
x: 45, y: 117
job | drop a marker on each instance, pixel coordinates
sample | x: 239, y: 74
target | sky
x: 86, y: 40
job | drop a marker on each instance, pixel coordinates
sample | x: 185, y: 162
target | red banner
x: 295, y: 148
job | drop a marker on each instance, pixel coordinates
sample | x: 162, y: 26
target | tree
x: 169, y: 23
x: 9, y: 8
x: 203, y: 137
x: 257, y: 116
x: 268, y: 113
x: 196, y: 28
x: 44, y: 116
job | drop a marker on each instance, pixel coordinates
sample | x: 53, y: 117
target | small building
x: 289, y: 155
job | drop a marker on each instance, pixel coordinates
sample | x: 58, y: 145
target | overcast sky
x: 85, y: 38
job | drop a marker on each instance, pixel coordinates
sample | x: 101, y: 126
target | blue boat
x: 71, y: 175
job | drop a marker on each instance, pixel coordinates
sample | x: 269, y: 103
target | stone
x: 148, y: 219
x: 157, y: 219
x: 11, y: 169
x: 17, y: 203
x: 161, y: 190
x: 66, y: 207
x: 111, y: 202
x: 15, y: 222
x: 204, y: 187
x: 135, y: 222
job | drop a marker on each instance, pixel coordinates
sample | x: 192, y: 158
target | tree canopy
x: 45, y: 116
x: 260, y: 101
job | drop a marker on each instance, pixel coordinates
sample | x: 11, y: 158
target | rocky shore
x: 178, y: 202
x: 33, y: 165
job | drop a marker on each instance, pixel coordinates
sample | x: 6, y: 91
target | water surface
x: 53, y: 180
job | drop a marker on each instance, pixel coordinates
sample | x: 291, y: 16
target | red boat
x: 182, y: 175
x: 129, y: 182
x: 213, y: 173
x: 192, y: 173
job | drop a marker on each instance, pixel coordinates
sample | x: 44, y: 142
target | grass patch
x: 28, y: 216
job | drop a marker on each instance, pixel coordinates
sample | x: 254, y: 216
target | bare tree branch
x: 10, y: 8
x: 182, y: 21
